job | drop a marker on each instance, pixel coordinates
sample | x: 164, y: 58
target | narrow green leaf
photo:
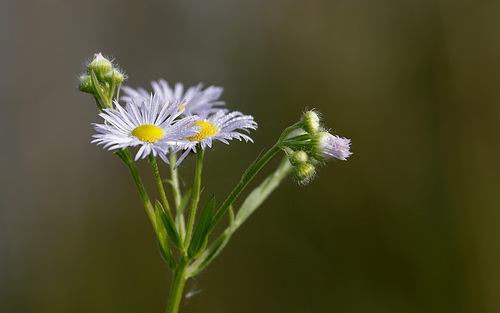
x: 261, y: 193
x: 231, y: 216
x: 161, y: 233
x: 168, y: 224
x: 207, y: 257
x: 251, y: 203
x: 184, y: 202
x: 97, y: 87
x: 200, y: 237
x: 179, y: 217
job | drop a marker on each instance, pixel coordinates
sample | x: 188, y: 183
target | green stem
x: 99, y: 106
x: 118, y: 92
x: 196, y: 194
x: 111, y: 93
x: 127, y: 159
x: 288, y: 130
x: 179, y: 218
x: 180, y: 277
x: 175, y: 181
x: 159, y: 182
x: 245, y: 179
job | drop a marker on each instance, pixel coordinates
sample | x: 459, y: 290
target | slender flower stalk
x: 176, y: 190
x: 245, y: 179
x: 125, y: 155
x: 196, y: 194
x: 174, y: 181
x: 159, y: 182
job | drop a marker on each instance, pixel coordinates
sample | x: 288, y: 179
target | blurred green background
x: 410, y: 223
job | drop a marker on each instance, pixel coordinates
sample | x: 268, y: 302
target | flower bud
x: 298, y: 157
x: 311, y: 122
x: 327, y: 146
x: 85, y: 84
x: 100, y: 65
x: 304, y: 173
x: 114, y: 76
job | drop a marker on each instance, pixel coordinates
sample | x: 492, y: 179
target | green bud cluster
x: 101, y: 78
x: 308, y: 144
x: 304, y: 169
x: 298, y: 147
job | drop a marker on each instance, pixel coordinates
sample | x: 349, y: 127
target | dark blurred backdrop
x: 410, y: 223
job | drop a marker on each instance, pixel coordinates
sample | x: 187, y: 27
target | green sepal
x: 168, y: 224
x: 98, y: 88
x: 200, y: 237
x: 161, y: 233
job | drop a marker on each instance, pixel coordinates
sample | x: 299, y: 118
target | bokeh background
x: 410, y: 223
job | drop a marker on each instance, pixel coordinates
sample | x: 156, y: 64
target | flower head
x: 327, y: 146
x: 155, y: 129
x: 220, y: 126
x: 197, y: 101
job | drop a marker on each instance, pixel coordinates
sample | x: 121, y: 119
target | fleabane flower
x: 196, y: 100
x: 221, y: 126
x: 327, y: 146
x: 152, y: 125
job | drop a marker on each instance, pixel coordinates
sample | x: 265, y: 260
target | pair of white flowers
x: 170, y: 120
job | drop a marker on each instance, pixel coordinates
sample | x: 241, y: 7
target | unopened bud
x: 298, y: 157
x: 85, y: 84
x: 114, y: 76
x: 100, y: 65
x: 304, y: 173
x: 311, y: 122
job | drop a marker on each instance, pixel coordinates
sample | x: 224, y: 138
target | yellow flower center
x: 208, y: 130
x: 147, y: 133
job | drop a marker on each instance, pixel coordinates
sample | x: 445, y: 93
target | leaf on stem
x: 210, y: 254
x: 167, y: 224
x: 184, y: 202
x: 98, y: 88
x: 161, y: 233
x: 200, y: 237
x: 261, y: 193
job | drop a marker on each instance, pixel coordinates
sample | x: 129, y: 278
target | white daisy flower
x: 156, y: 129
x: 197, y: 101
x: 220, y: 126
